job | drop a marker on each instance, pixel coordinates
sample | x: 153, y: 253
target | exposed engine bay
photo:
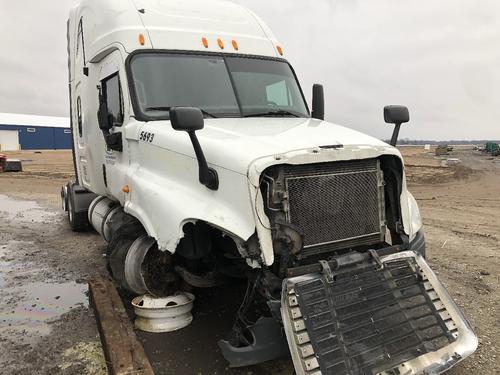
x: 324, y: 209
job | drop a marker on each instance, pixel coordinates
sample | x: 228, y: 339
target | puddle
x: 24, y: 211
x: 27, y: 305
x: 36, y: 304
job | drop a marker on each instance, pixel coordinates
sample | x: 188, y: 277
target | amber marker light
x: 125, y: 189
x: 220, y: 43
x: 280, y: 50
x: 235, y: 45
x: 205, y: 42
x: 142, y: 41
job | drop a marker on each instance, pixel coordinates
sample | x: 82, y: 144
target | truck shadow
x: 194, y: 350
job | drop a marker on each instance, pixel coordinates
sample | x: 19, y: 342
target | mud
x: 46, y: 326
x: 41, y: 259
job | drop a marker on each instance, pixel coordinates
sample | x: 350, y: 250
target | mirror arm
x: 207, y: 176
x: 395, y: 134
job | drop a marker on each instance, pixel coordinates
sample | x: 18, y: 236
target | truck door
x: 112, y: 90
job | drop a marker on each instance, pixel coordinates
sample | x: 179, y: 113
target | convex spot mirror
x: 397, y: 115
x: 187, y: 119
x: 190, y: 120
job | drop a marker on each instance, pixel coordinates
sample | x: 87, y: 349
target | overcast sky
x: 440, y: 58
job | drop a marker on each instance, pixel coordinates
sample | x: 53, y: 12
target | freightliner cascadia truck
x: 200, y: 162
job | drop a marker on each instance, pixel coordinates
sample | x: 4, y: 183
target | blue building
x: 27, y: 132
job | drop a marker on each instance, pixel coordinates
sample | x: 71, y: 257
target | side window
x: 79, y: 115
x: 277, y: 94
x: 80, y: 43
x: 79, y: 39
x: 113, y: 95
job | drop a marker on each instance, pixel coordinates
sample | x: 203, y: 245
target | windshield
x: 221, y: 86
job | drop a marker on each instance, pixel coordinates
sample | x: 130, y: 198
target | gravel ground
x: 46, y: 326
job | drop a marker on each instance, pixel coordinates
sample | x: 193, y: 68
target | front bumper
x: 374, y: 315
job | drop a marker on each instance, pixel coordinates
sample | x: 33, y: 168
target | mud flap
x: 373, y: 315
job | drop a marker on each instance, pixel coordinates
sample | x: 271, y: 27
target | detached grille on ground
x: 367, y: 320
x: 336, y: 205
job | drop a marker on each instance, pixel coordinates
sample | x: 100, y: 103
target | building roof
x: 32, y: 120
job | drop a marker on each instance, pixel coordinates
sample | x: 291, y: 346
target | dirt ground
x: 46, y: 326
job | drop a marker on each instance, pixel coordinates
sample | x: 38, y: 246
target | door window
x: 113, y: 95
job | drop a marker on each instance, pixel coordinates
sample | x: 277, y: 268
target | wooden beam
x: 123, y: 351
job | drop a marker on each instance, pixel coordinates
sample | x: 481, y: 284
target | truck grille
x: 368, y: 319
x: 336, y: 205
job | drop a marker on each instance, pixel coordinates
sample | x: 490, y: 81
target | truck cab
x: 196, y: 154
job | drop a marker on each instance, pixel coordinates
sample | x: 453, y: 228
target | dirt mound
x: 462, y: 172
x: 435, y: 175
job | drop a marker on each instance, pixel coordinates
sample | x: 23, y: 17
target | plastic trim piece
x: 434, y: 362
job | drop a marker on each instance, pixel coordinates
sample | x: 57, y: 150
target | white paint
x: 9, y: 140
x: 162, y: 175
x: 165, y: 314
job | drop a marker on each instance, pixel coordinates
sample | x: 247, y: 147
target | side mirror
x: 397, y: 115
x: 186, y: 118
x: 103, y: 117
x: 103, y: 114
x: 318, y: 102
x: 105, y: 121
x: 190, y: 120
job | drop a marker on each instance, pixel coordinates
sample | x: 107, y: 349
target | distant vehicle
x: 197, y: 158
x: 492, y: 148
x: 443, y: 150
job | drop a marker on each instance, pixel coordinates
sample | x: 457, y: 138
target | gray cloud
x: 439, y: 58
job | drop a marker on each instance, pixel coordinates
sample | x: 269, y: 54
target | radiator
x: 336, y: 205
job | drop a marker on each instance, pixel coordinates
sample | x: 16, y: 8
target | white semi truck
x: 198, y: 159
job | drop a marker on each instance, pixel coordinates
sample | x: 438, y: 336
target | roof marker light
x: 235, y: 45
x: 220, y: 43
x: 205, y: 42
x: 280, y: 50
x: 142, y: 40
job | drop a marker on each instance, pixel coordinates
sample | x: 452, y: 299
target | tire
x: 78, y: 221
x: 118, y: 247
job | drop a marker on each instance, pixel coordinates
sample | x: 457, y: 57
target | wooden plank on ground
x: 123, y: 351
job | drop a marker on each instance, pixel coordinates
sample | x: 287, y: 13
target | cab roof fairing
x: 170, y: 25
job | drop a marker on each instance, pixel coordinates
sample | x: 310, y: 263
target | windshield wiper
x: 168, y: 109
x: 280, y: 112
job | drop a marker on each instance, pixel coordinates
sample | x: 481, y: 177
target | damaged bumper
x: 365, y: 314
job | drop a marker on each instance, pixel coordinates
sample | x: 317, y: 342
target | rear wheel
x: 78, y: 221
